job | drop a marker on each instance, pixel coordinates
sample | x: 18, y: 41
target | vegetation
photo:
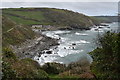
x: 107, y: 56
x: 13, y: 68
x: 75, y: 70
x: 54, y: 68
x: 79, y: 69
x: 59, y: 17
x: 13, y: 33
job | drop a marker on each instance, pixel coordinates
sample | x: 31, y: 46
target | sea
x: 74, y: 44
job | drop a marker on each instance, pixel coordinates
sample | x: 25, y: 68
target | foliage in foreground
x: 14, y: 68
x: 74, y: 70
x: 107, y: 56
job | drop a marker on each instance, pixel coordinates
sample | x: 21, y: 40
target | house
x: 37, y: 26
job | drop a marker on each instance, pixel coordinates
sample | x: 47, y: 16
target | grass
x: 49, y: 16
x: 10, y: 29
x: 19, y: 20
x: 57, y: 77
x: 31, y: 14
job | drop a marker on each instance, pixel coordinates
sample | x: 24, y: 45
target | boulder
x: 49, y: 52
x: 73, y: 44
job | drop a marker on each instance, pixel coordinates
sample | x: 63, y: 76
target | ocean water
x: 74, y: 44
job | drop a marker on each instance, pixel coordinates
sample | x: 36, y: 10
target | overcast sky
x: 60, y: 0
x: 92, y: 8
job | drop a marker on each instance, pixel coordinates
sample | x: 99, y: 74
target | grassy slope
x: 12, y: 66
x: 14, y: 34
x: 49, y: 16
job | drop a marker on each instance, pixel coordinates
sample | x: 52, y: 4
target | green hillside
x: 12, y: 66
x: 13, y: 33
x: 49, y: 16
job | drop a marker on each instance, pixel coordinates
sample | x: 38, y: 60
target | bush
x: 8, y: 58
x: 7, y: 71
x: 7, y: 53
x: 53, y: 68
x: 106, y: 56
x: 19, y: 69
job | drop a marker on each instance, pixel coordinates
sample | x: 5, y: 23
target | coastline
x: 30, y: 48
x: 36, y: 46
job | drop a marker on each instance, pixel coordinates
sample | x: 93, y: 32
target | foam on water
x: 63, y: 39
x: 45, y: 58
x: 81, y: 42
x: 97, y: 30
x: 82, y: 34
x: 52, y: 35
x: 63, y: 53
x: 61, y: 32
x: 74, y: 44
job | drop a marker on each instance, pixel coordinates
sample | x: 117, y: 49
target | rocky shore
x: 53, y: 27
x: 30, y: 48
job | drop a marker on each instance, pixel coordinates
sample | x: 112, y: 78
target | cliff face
x: 23, y: 41
x: 50, y: 16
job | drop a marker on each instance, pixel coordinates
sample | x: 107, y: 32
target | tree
x: 106, y: 56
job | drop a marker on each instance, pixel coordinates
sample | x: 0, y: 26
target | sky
x: 59, y: 0
x: 87, y: 7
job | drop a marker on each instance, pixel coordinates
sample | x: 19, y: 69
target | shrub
x: 106, y: 56
x: 7, y: 71
x: 53, y: 68
x: 7, y: 53
x: 14, y: 68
